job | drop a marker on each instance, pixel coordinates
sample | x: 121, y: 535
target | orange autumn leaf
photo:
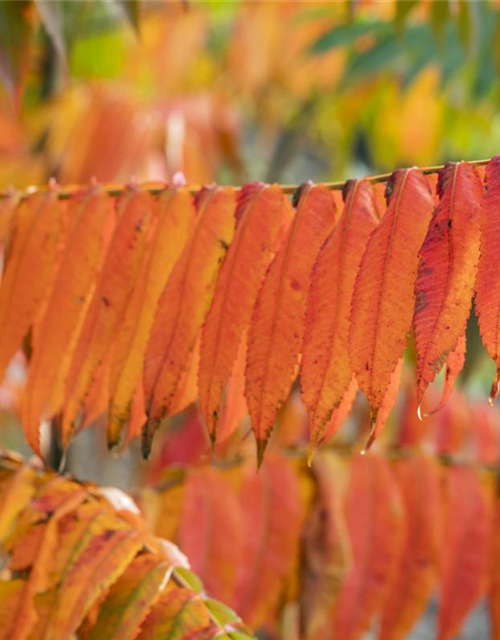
x: 454, y: 365
x: 326, y: 368
x: 373, y: 518
x: 447, y: 271
x: 487, y: 302
x: 388, y: 404
x: 176, y: 214
x: 210, y: 531
x: 383, y: 297
x: 468, y: 520
x: 340, y: 414
x: 494, y: 562
x: 184, y: 303
x: 234, y: 407
x: 89, y: 213
x: 277, y: 325
x: 415, y: 579
x: 259, y: 218
x: 119, y: 274
x: 32, y: 261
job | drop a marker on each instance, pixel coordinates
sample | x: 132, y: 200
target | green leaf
x: 189, y: 579
x: 16, y: 29
x: 221, y: 612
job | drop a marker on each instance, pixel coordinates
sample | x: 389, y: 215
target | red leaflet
x: 468, y: 508
x: 383, y: 296
x: 210, y: 531
x: 184, y: 304
x: 454, y: 365
x: 447, y: 271
x: 488, y: 274
x: 326, y: 368
x: 30, y: 268
x: 341, y: 413
x: 374, y: 521
x: 89, y: 215
x: 259, y: 218
x: 414, y: 581
x: 388, y: 404
x: 272, y: 519
x: 112, y: 293
x: 277, y: 326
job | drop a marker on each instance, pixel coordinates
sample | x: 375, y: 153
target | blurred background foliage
x: 231, y: 91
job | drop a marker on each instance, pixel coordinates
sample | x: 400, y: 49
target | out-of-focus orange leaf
x: 487, y: 302
x: 119, y: 275
x: 89, y: 215
x: 447, y: 271
x: 184, y: 303
x: 383, y: 297
x: 30, y: 269
x: 259, y: 217
x: 210, y: 532
x: 326, y: 368
x: 277, y: 325
x: 415, y: 578
x: 468, y: 522
x: 176, y: 214
x: 374, y: 520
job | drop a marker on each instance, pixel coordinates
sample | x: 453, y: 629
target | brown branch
x: 66, y: 193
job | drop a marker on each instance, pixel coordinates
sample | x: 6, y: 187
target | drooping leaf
x: 259, y: 215
x: 454, y: 365
x: 35, y: 250
x: 487, y: 302
x: 325, y: 546
x: 234, y: 407
x: 340, y: 414
x: 277, y: 325
x: 272, y: 519
x: 210, y: 531
x: 374, y: 522
x: 184, y: 304
x: 383, y: 297
x: 14, y: 498
x: 176, y: 215
x: 415, y: 579
x: 388, y: 404
x: 447, y: 271
x: 119, y: 275
x: 326, y: 368
x: 89, y: 215
x: 468, y: 519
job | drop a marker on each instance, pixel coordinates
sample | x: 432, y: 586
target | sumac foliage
x: 137, y: 304
x: 79, y: 561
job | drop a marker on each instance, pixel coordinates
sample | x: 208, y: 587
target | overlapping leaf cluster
x: 137, y: 305
x: 79, y: 561
x: 354, y: 542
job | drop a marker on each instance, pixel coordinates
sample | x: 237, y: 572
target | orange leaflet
x: 488, y: 274
x: 414, y: 581
x: 187, y: 389
x: 447, y: 271
x: 454, y: 365
x: 383, y: 298
x: 340, y: 414
x: 30, y: 268
x: 326, y: 368
x: 374, y: 521
x: 211, y: 532
x: 468, y: 520
x: 272, y: 520
x: 325, y: 544
x: 89, y: 214
x: 8, y: 212
x: 388, y: 404
x: 234, y: 404
x: 107, y: 307
x: 184, y: 304
x: 259, y: 216
x: 176, y: 214
x: 131, y: 598
x: 277, y: 325
x: 494, y: 571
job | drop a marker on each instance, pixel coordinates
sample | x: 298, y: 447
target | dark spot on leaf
x: 106, y: 301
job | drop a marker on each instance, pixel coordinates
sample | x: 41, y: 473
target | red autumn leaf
x: 374, y: 522
x: 383, y: 296
x: 184, y: 304
x: 447, y: 271
x: 415, y: 578
x: 468, y: 520
x: 388, y: 404
x: 487, y: 301
x: 454, y: 365
x: 277, y: 325
x: 260, y: 216
x: 326, y: 369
